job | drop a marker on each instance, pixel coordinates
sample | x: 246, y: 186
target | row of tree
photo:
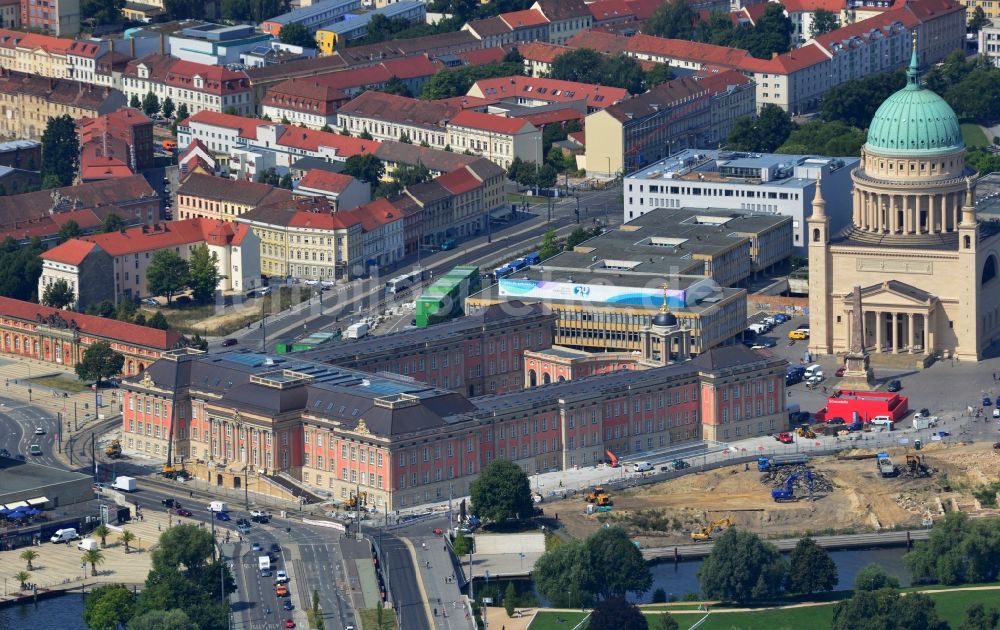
x: 589, y: 66
x: 772, y: 32
x: 451, y: 83
x: 152, y: 105
x: 186, y: 589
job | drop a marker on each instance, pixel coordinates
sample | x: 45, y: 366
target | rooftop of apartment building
x: 399, y: 109
x: 20, y: 209
x: 230, y: 190
x: 741, y: 167
x: 550, y: 90
x: 57, y: 91
x: 666, y: 241
x: 147, y: 238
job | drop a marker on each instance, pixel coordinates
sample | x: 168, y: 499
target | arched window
x: 967, y: 242
x: 816, y: 235
x: 989, y: 269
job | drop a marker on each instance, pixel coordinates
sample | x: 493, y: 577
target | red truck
x: 785, y: 437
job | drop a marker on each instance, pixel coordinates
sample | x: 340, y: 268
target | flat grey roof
x: 18, y: 476
x: 690, y: 164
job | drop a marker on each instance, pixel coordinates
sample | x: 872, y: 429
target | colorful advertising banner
x: 542, y: 290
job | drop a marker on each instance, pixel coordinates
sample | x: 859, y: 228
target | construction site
x: 785, y: 496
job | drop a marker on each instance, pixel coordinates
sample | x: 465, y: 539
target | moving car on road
x: 40, y: 431
x: 35, y: 449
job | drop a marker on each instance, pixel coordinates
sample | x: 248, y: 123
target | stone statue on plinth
x: 858, y: 373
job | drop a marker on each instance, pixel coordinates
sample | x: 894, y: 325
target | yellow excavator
x: 705, y: 533
x: 805, y: 432
x: 598, y: 496
x: 113, y: 450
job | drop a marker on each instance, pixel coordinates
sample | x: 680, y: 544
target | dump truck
x: 788, y: 492
x: 767, y: 463
x: 705, y: 533
x: 113, y: 450
x: 885, y: 465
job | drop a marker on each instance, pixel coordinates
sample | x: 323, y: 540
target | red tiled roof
x: 682, y: 49
x: 372, y: 76
x: 375, y: 214
x: 166, y: 70
x: 93, y: 325
x: 323, y: 220
x: 553, y: 116
x: 719, y: 82
x: 72, y: 252
x: 542, y: 52
x: 312, y: 140
x: 245, y: 127
x: 601, y: 41
x: 482, y: 56
x: 318, y: 179
x: 119, y: 123
x: 754, y: 11
x: 305, y: 95
x: 809, y: 6
x: 864, y: 28
x: 466, y: 102
x: 489, y: 122
x: 787, y: 63
x: 528, y: 17
x: 925, y: 10
x: 34, y: 41
x: 488, y: 27
x: 161, y: 236
x: 643, y: 9
x: 459, y: 181
x: 579, y: 136
x: 551, y: 90
x: 410, y: 67
x: 398, y: 109
x: 610, y: 10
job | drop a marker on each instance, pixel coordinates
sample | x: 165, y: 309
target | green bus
x: 445, y: 298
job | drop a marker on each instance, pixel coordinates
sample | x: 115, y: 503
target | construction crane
x: 612, y: 458
x: 788, y: 492
x: 705, y: 533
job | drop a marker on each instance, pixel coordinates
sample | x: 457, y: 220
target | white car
x: 996, y: 412
x: 40, y: 431
x: 281, y: 577
x: 258, y: 513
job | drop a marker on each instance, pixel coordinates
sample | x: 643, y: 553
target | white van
x: 883, y: 421
x: 87, y: 544
x: 63, y: 535
x: 642, y: 467
x: 218, y: 506
x: 813, y: 370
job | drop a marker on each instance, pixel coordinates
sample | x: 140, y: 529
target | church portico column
x: 911, y: 333
x: 897, y: 332
x: 879, y: 325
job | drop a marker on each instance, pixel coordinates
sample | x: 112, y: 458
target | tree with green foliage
x: 509, y: 599
x: 717, y: 28
x: 462, y: 545
x: 286, y: 181
x: 762, y: 134
x: 588, y: 66
x: 810, y: 569
x: 771, y: 33
x: 549, y: 246
x: 184, y: 9
x: 365, y: 167
x: 150, y: 104
x: 405, y: 138
x: 854, y: 102
x: 256, y: 11
x: 823, y: 22
x: 69, y: 229
x: 58, y: 294
x: 125, y: 310
x: 741, y: 568
x: 297, y: 34
x: 108, y: 607
x: 158, y: 321
x: 873, y: 577
x: 167, y: 107
x: 199, y: 343
x: 102, y: 12
x: 167, y: 274
x: 960, y: 550
x: 269, y: 175
x: 660, y: 73
x: 581, y: 234
x: 102, y: 531
x: 99, y: 362
x: 60, y: 150
x: 20, y: 268
x: 562, y: 576
x: 174, y: 619
x: 22, y: 577
x: 666, y: 621
x: 659, y: 596
x: 617, y: 613
x: 127, y: 536
x: 501, y: 492
x: 29, y: 556
x: 134, y: 102
x: 673, y: 20
x: 112, y: 223
x: 513, y: 56
x: 977, y: 95
x: 616, y: 564
x: 93, y: 557
x: 885, y: 609
x: 977, y: 617
x: 450, y: 83
x: 396, y: 86
x: 104, y: 309
x: 979, y: 20
x: 824, y: 138
x: 182, y: 112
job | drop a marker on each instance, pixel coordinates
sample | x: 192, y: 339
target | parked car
x: 996, y: 412
x: 836, y: 421
x: 287, y: 605
x: 256, y: 546
x: 987, y: 401
x: 894, y: 386
x: 183, y: 512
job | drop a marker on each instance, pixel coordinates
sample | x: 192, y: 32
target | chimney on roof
x: 111, y: 45
x: 774, y: 55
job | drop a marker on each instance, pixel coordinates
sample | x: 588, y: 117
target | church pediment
x: 893, y: 293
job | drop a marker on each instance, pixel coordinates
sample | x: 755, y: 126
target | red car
x: 183, y: 512
x: 438, y: 531
x: 289, y: 623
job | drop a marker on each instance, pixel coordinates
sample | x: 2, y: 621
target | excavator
x: 113, y: 450
x: 788, y: 492
x: 612, y: 458
x: 705, y: 533
x: 598, y: 496
x: 805, y: 432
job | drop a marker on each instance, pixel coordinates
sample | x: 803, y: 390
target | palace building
x: 927, y: 267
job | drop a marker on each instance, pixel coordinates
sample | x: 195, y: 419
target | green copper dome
x: 914, y: 121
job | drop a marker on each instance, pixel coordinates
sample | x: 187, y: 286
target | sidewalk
x: 436, y: 567
x: 60, y: 566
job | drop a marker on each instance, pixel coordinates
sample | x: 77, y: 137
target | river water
x: 64, y: 612
x: 683, y: 578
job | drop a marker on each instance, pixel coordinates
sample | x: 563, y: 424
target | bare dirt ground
x: 667, y: 512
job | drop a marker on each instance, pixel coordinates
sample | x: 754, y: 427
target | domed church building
x: 926, y: 267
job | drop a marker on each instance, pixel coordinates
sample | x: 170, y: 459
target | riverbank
x: 951, y: 604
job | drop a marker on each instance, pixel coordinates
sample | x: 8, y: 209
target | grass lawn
x: 974, y: 136
x: 551, y: 620
x: 519, y: 198
x: 369, y: 616
x: 62, y: 383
